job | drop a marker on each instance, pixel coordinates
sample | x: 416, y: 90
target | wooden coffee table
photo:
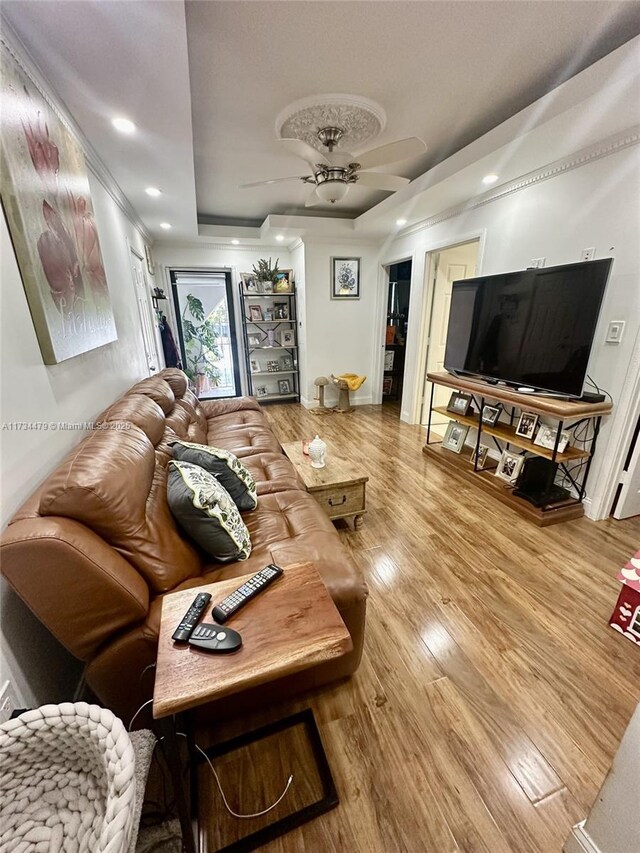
x: 339, y: 487
x: 291, y: 626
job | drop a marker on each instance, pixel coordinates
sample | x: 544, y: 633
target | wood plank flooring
x: 492, y: 694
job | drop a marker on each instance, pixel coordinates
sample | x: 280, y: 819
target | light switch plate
x: 615, y: 330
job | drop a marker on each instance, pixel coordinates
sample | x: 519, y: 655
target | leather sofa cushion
x: 158, y: 390
x: 246, y: 441
x: 137, y: 409
x: 272, y: 472
x: 116, y: 484
x: 223, y: 423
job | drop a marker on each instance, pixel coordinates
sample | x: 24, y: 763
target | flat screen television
x: 531, y: 328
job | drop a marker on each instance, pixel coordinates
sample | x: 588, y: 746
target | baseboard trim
x: 580, y: 841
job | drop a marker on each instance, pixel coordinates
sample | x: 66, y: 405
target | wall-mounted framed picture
x: 345, y: 278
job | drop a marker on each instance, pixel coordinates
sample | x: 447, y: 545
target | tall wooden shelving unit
x: 566, y: 415
x: 263, y: 352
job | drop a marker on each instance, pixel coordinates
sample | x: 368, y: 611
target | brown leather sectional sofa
x: 95, y: 548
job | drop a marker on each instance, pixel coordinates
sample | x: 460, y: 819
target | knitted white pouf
x: 67, y: 781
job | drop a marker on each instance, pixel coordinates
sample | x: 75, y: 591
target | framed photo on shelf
x: 387, y: 385
x: 268, y: 314
x: 283, y: 282
x: 459, y: 403
x: 491, y: 414
x: 389, y: 357
x: 284, y: 386
x: 454, y: 436
x: 255, y: 367
x: 527, y: 425
x: 345, y: 278
x: 273, y: 366
x: 280, y: 310
x: 254, y: 340
x: 287, y: 338
x: 250, y: 284
x: 509, y: 466
x: 261, y: 391
x: 255, y: 314
x: 483, y: 452
x: 286, y: 362
x: 546, y: 437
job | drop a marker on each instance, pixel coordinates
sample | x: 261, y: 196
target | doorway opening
x: 148, y: 326
x: 446, y: 266
x: 397, y: 316
x: 203, y: 302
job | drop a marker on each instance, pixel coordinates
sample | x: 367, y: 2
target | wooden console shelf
x: 564, y: 412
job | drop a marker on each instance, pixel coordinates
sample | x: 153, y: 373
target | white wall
x: 598, y: 205
x: 299, y: 271
x: 75, y: 390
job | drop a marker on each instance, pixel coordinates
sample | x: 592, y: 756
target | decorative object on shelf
x: 509, y: 466
x: 47, y: 203
x: 346, y: 382
x: 527, y: 425
x: 321, y: 382
x: 200, y: 344
x: 483, y: 452
x: 250, y: 283
x: 266, y: 274
x: 317, y: 451
x: 287, y: 338
x: 460, y: 403
x: 387, y: 385
x: 284, y: 386
x: 546, y: 438
x: 283, y: 281
x: 255, y: 367
x: 455, y: 436
x: 261, y: 391
x: 345, y: 278
x: 268, y: 314
x: 280, y: 310
x: 253, y: 340
x: 390, y: 335
x: 491, y: 414
x: 286, y: 362
x: 149, y: 259
x: 255, y: 313
x: 273, y: 366
x: 389, y: 358
x: 626, y: 616
x: 271, y: 338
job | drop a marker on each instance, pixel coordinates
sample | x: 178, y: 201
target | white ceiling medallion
x: 360, y: 119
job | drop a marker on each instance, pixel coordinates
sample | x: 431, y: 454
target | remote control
x: 191, y: 618
x: 214, y: 638
x: 248, y: 590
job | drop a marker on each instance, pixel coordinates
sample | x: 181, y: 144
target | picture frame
x: 250, y: 284
x: 261, y: 391
x: 509, y: 466
x: 149, y: 259
x: 286, y: 362
x: 287, y: 338
x: 491, y: 414
x: 455, y: 436
x: 254, y: 340
x: 283, y: 282
x: 280, y: 310
x: 460, y: 403
x: 273, y: 366
x: 284, y: 386
x: 255, y: 314
x: 527, y: 425
x: 345, y: 278
x: 255, y: 367
x: 483, y: 453
x: 387, y: 385
x: 546, y: 438
x: 389, y: 358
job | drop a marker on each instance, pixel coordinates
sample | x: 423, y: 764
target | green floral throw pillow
x: 223, y: 465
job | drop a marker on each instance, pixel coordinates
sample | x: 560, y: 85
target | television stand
x: 574, y: 461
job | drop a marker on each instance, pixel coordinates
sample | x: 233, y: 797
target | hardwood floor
x: 492, y: 694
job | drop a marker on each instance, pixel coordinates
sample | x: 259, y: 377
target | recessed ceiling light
x: 279, y: 237
x: 123, y: 125
x: 489, y: 179
x: 154, y: 192
x: 165, y: 225
x: 235, y: 242
x: 401, y: 222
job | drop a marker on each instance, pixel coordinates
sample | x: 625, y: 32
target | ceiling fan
x: 334, y: 172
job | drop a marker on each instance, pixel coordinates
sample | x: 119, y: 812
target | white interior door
x: 628, y: 503
x: 145, y: 311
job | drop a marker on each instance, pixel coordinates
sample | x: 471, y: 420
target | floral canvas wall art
x: 47, y: 203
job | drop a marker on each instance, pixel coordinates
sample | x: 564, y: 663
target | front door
x: 145, y: 312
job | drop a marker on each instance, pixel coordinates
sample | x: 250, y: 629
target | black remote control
x: 248, y: 590
x: 191, y: 618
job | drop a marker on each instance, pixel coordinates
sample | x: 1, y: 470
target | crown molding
x: 296, y: 244
x: 10, y: 39
x: 582, y: 157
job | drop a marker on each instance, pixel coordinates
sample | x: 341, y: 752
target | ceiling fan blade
x: 391, y: 153
x: 273, y: 181
x: 378, y: 181
x: 312, y: 199
x: 306, y: 152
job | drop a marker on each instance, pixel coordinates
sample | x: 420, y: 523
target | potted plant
x: 200, y: 345
x: 266, y: 274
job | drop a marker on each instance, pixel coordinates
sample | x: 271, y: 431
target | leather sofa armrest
x: 213, y: 408
x: 79, y: 587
